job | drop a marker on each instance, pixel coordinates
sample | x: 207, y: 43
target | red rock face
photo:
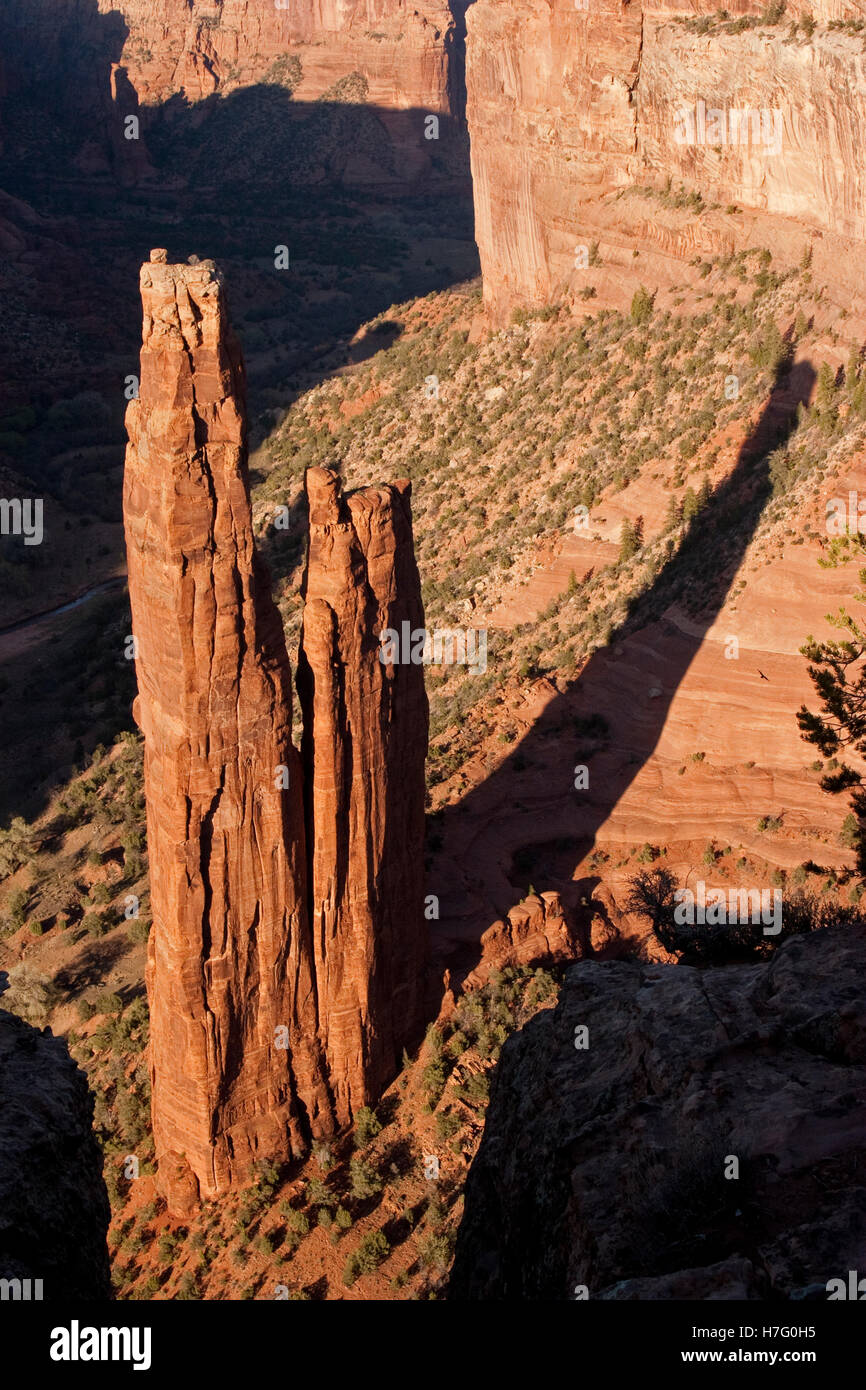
x: 536, y: 931
x: 400, y: 48
x: 570, y: 102
x: 275, y: 1006
x: 235, y: 1063
x: 365, y: 742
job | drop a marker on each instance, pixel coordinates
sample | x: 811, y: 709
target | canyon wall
x: 196, y: 49
x: 87, y: 65
x: 570, y: 105
x: 365, y: 743
x: 278, y: 1005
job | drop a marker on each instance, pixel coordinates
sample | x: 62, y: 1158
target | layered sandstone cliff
x: 235, y: 1060
x: 672, y: 1133
x: 365, y: 742
x: 292, y: 65
x: 568, y: 105
x: 400, y: 49
x: 279, y: 1002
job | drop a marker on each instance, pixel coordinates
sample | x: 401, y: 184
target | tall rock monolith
x: 236, y: 1059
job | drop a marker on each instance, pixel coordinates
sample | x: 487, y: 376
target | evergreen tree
x: 837, y: 670
x: 852, y: 371
x: 690, y: 505
x: 628, y: 542
x: 826, y: 389
x: 641, y: 306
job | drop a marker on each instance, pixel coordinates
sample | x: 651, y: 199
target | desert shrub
x: 435, y: 1249
x: 16, y: 846
x: 31, y: 995
x: 138, y: 930
x: 447, y: 1125
x: 108, y: 1003
x: 641, y: 306
x: 319, y: 1194
x: 367, y: 1126
x: 849, y: 835
x: 298, y: 1223
x: 373, y: 1249
x: 17, y: 905
x: 364, y: 1180
x: 187, y: 1287
x: 652, y: 895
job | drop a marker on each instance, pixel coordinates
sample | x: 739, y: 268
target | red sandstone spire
x: 279, y: 999
x: 234, y: 1054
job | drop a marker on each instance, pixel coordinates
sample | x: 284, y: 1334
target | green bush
x: 108, y: 1003
x: 373, y: 1249
x: 641, y: 306
x: 367, y: 1126
x: 364, y: 1180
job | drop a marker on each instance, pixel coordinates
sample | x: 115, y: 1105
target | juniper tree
x: 837, y: 670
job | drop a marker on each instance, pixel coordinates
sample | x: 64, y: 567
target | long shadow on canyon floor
x: 525, y: 823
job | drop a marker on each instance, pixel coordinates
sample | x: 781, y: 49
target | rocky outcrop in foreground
x: 602, y: 1171
x: 54, y: 1209
x: 279, y: 1002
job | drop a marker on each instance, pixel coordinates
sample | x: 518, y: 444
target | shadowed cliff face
x: 102, y: 63
x: 606, y: 1169
x: 371, y: 211
x: 275, y: 1004
x: 54, y: 1209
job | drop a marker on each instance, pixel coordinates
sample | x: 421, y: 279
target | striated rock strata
x: 276, y: 1007
x: 604, y: 1166
x: 569, y: 105
x: 365, y: 742
x: 54, y: 1209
